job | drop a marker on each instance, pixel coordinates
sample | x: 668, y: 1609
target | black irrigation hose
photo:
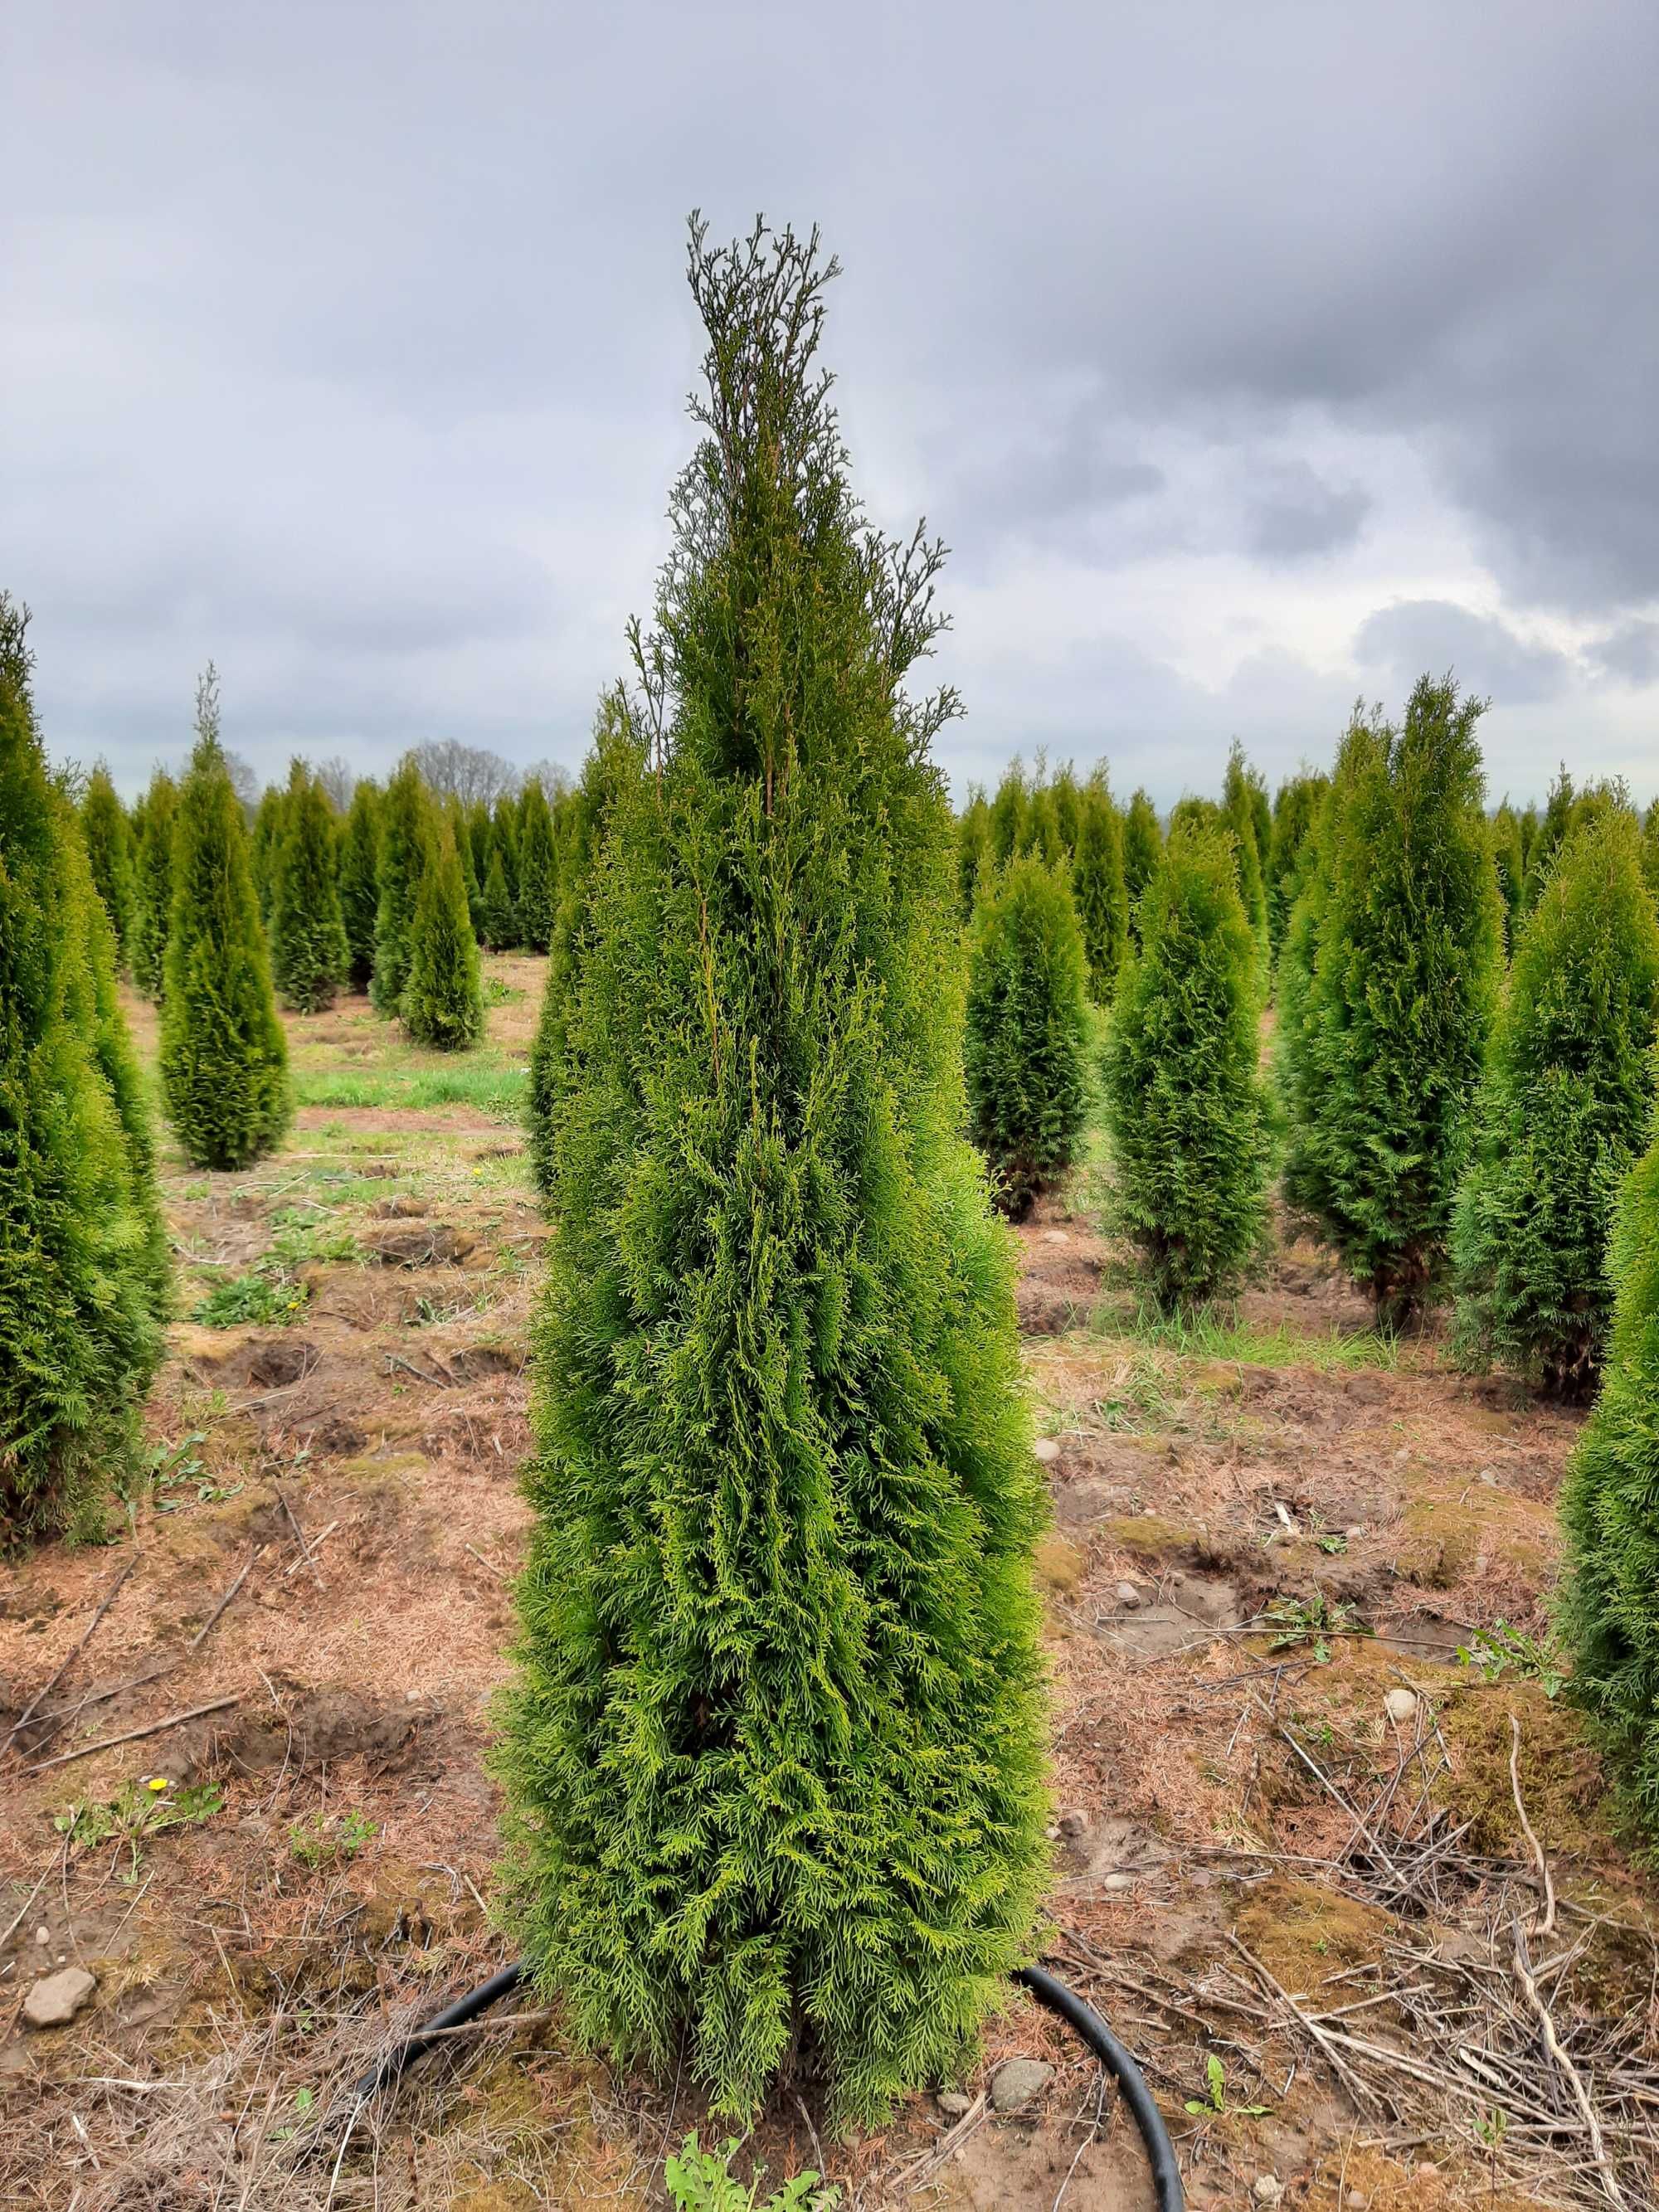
x: 1119, y: 2063
x: 1046, y: 1988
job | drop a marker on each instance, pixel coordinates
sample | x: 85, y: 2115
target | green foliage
x: 108, y: 837
x: 224, y: 1059
x: 1143, y: 850
x: 1310, y: 1623
x: 615, y: 763
x: 1191, y: 1131
x: 138, y: 1810
x: 500, y: 920
x: 261, y: 1298
x: 538, y: 870
x: 1550, y: 828
x: 702, y: 2181
x: 322, y: 1838
x: 1609, y: 1613
x: 1494, y: 1652
x: 309, y: 954
x: 1214, y: 2104
x: 1650, y: 848
x: 1008, y: 813
x: 456, y: 814
x: 502, y: 911
x: 1388, y: 988
x: 973, y: 852
x: 1563, y: 1109
x: 1097, y: 889
x: 83, y: 1258
x: 404, y: 833
x: 1509, y: 856
x: 1295, y: 812
x: 359, y: 882
x: 1244, y: 803
x: 443, y: 1000
x: 773, y: 1756
x: 152, y: 900
x: 263, y: 845
x: 1026, y: 1043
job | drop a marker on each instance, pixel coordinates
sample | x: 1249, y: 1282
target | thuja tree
x: 108, y: 837
x: 773, y: 1757
x: 82, y: 1262
x: 497, y: 918
x: 264, y: 843
x: 1509, y: 857
x: 1244, y: 801
x: 539, y: 869
x: 443, y: 995
x: 1143, y: 848
x: 1295, y: 811
x: 152, y: 896
x: 359, y: 882
x: 1026, y: 1043
x: 309, y: 952
x: 1382, y: 1061
x: 502, y: 914
x: 1564, y: 1109
x: 224, y: 1060
x: 1009, y: 810
x: 404, y: 831
x: 973, y: 851
x: 1097, y: 889
x: 1551, y: 828
x: 615, y: 763
x: 1610, y: 1600
x: 1190, y: 1118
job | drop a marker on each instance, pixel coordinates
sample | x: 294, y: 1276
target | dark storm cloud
x: 1485, y: 654
x: 349, y: 345
x: 1631, y: 654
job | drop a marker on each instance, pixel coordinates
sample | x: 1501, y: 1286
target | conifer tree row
x: 83, y: 1267
x: 309, y: 955
x: 1143, y: 848
x: 1026, y: 1043
x: 224, y: 1059
x: 152, y: 902
x: 108, y: 838
x: 773, y: 1757
x: 403, y: 843
x: 1097, y: 887
x: 442, y: 1001
x: 1388, y: 984
x: 1565, y: 1107
x: 538, y: 870
x: 1188, y: 1114
x: 359, y: 882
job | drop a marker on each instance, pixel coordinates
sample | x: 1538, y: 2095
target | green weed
x: 702, y: 2181
x: 1313, y: 1621
x: 137, y: 1811
x: 1501, y: 1650
x: 256, y: 1300
x: 328, y: 1839
x: 1213, y: 2104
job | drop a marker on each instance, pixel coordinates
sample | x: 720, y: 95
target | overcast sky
x: 1247, y: 357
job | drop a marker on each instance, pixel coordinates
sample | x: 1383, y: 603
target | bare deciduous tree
x: 468, y: 773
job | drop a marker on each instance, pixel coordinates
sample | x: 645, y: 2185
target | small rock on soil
x: 56, y: 1998
x: 1017, y: 2081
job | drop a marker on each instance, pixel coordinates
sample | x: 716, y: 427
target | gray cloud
x: 1485, y: 654
x: 348, y: 346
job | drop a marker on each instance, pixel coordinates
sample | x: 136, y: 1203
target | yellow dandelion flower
x: 156, y: 1782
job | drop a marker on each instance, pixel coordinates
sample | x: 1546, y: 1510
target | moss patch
x: 1302, y: 1931
x: 1566, y: 1792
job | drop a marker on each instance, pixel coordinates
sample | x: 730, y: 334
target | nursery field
x: 1330, y: 1851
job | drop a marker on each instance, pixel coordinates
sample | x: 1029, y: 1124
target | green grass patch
x: 491, y: 1087
x: 1216, y: 1335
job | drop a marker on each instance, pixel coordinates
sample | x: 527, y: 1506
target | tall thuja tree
x: 404, y: 828
x: 224, y: 1059
x: 973, y: 850
x: 1295, y: 809
x: 1009, y: 808
x: 108, y: 837
x: 1552, y: 829
x: 1143, y: 849
x: 264, y: 842
x: 1065, y: 796
x: 309, y: 952
x: 501, y: 910
x: 443, y: 995
x: 615, y: 763
x: 455, y: 814
x: 152, y: 893
x: 498, y: 917
x: 1563, y: 1110
x: 539, y: 869
x: 1509, y: 857
x: 1650, y: 848
x: 1026, y: 1043
x: 82, y: 1263
x: 773, y: 1759
x: 1190, y: 1118
x: 1244, y: 799
x: 1382, y: 1058
x: 1610, y: 1600
x: 1103, y: 904
x: 359, y: 881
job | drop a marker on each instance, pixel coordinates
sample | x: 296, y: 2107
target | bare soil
x: 1257, y: 1534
